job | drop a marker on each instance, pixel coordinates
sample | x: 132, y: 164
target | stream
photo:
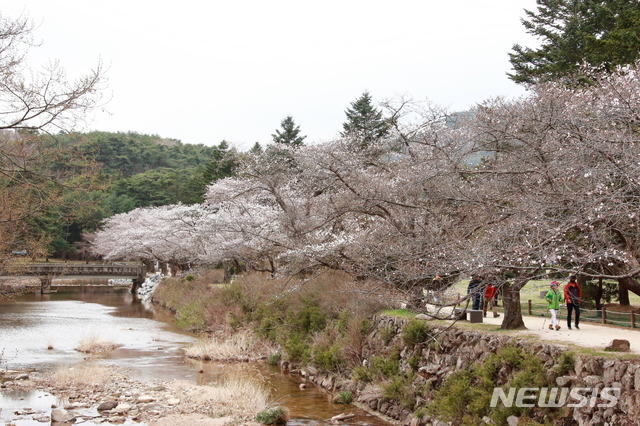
x: 40, y: 332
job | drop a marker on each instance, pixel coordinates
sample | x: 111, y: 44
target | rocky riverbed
x: 121, y: 400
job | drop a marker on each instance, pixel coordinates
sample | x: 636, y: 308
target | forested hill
x: 130, y: 170
x: 130, y: 153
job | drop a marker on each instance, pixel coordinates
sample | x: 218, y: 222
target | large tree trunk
x: 623, y: 287
x: 511, y: 300
x: 597, y: 297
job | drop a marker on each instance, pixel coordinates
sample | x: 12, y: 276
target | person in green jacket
x: 553, y: 297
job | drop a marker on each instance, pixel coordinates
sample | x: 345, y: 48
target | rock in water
x: 107, y: 405
x: 61, y: 415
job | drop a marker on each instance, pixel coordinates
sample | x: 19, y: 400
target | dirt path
x: 590, y: 335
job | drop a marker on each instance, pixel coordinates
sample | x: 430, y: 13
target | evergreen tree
x: 256, y: 148
x: 222, y: 165
x: 602, y: 33
x: 290, y: 134
x: 364, y: 121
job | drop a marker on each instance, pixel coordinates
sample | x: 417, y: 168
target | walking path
x: 590, y: 335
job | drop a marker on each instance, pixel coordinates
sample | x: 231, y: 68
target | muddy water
x: 41, y: 332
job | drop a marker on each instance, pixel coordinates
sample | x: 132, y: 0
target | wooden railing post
x: 604, y: 316
x: 529, y: 307
x: 633, y: 320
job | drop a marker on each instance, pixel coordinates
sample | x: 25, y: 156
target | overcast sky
x: 203, y: 71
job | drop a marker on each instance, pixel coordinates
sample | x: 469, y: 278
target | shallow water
x: 150, y: 349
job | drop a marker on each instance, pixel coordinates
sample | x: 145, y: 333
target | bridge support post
x: 45, y: 285
x: 137, y: 282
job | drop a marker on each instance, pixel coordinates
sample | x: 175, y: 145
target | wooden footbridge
x: 47, y: 272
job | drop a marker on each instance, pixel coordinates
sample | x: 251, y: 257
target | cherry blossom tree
x: 513, y: 190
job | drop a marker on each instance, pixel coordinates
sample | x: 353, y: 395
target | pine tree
x: 364, y: 121
x: 602, y: 33
x: 256, y: 148
x: 223, y: 163
x: 290, y: 134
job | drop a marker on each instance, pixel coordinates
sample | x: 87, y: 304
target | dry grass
x: 95, y: 344
x: 237, y: 396
x: 81, y: 376
x: 333, y: 291
x: 243, y: 346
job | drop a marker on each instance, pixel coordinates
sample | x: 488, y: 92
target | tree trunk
x: 597, y: 297
x: 623, y: 288
x: 511, y: 301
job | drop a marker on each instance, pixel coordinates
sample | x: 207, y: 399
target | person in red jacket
x: 489, y: 296
x: 572, y: 296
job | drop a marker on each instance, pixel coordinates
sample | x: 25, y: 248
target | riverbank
x: 414, y: 371
x: 98, y: 394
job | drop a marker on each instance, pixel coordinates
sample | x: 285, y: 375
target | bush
x: 328, y: 359
x: 311, y: 319
x: 414, y: 362
x: 399, y: 389
x: 386, y: 334
x: 273, y: 416
x: 274, y: 359
x: 566, y: 364
x: 344, y: 397
x: 415, y: 332
x: 297, y: 348
x: 465, y: 396
x: 385, y: 367
x: 191, y: 316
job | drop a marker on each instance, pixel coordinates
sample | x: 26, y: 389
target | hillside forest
x: 103, y: 174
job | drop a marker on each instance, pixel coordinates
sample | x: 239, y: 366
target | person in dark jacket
x: 475, y: 291
x: 572, y: 296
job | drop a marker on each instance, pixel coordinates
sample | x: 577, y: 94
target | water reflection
x: 32, y: 324
x: 150, y: 348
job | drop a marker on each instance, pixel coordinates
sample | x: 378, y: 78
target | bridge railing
x: 70, y: 269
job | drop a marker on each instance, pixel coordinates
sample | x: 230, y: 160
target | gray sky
x: 203, y: 71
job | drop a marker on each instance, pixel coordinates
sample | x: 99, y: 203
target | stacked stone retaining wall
x: 451, y: 349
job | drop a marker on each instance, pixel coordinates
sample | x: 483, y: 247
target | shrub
x: 344, y: 397
x: 465, y: 396
x: 191, y: 316
x: 311, y: 319
x: 273, y: 416
x: 274, y: 359
x: 297, y: 348
x: 415, y: 332
x: 566, y: 364
x: 362, y: 374
x: 414, y: 362
x: 328, y: 359
x: 399, y: 389
x: 385, y: 367
x: 386, y: 334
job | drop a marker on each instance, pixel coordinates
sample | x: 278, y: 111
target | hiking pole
x: 544, y: 321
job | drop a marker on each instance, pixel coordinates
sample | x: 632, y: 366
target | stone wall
x: 451, y: 349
